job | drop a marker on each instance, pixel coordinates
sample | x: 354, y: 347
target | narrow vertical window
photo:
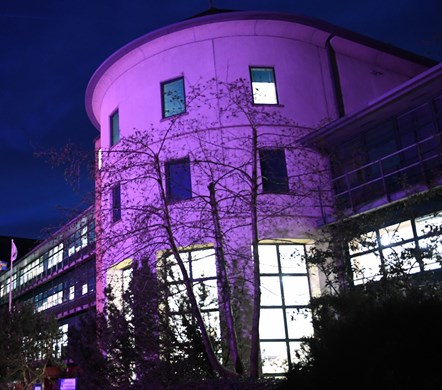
x: 115, y: 128
x: 263, y: 86
x: 173, y: 97
x: 116, y: 203
x: 273, y: 171
x: 178, y: 180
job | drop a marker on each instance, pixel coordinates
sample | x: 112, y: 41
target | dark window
x: 263, y: 86
x: 173, y: 97
x: 116, y: 203
x: 273, y: 171
x: 115, y: 128
x: 178, y: 180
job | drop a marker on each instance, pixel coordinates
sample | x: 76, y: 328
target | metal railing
x: 391, y: 176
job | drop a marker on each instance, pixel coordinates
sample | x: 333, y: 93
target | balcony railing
x: 409, y: 170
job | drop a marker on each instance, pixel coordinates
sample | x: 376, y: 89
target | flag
x: 3, y: 265
x: 13, y: 251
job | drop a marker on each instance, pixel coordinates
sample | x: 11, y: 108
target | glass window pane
x: 431, y: 249
x: 206, y: 293
x: 211, y: 319
x: 296, y: 290
x: 273, y: 171
x: 178, y: 180
x: 296, y: 352
x: 263, y: 86
x: 116, y: 203
x: 271, y: 325
x: 270, y: 291
x: 364, y: 242
x: 115, y: 128
x: 366, y: 267
x: 177, y: 297
x: 173, y: 271
x: 400, y: 258
x: 268, y: 261
x: 396, y: 233
x: 203, y: 263
x: 429, y: 224
x: 274, y: 357
x: 174, y: 100
x: 299, y: 323
x: 291, y: 257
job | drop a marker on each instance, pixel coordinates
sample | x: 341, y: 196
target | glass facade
x: 404, y: 151
x: 407, y: 247
x: 40, y: 266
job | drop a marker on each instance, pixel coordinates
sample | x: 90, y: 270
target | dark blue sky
x: 50, y: 49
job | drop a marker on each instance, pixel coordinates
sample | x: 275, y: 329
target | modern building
x: 196, y: 116
x: 203, y: 122
x: 57, y: 275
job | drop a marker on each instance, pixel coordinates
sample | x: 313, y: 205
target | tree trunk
x: 223, y: 283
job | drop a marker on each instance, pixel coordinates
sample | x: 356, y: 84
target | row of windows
x: 179, y: 182
x: 49, y: 261
x: 407, y: 247
x: 285, y: 294
x: 173, y: 97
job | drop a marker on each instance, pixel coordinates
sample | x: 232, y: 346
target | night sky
x: 50, y: 49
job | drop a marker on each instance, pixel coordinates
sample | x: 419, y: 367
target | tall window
x: 178, y: 180
x: 273, y: 171
x: 115, y: 128
x: 263, y: 85
x: 285, y: 295
x: 116, y: 203
x: 201, y: 268
x: 173, y: 97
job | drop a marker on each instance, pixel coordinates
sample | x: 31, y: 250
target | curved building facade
x: 199, y: 126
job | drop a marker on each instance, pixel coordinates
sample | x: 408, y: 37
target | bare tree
x: 226, y: 208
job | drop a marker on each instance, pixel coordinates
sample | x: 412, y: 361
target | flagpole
x: 13, y: 257
x: 10, y: 287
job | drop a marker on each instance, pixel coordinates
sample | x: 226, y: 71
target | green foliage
x: 27, y: 344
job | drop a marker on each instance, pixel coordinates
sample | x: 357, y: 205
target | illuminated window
x: 285, y: 316
x: 116, y: 203
x: 115, y: 128
x: 178, y: 180
x: 173, y: 97
x: 263, y: 85
x: 409, y: 246
x: 273, y: 171
x: 62, y: 342
x: 201, y: 268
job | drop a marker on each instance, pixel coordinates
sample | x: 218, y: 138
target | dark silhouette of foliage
x: 28, y: 344
x: 376, y: 336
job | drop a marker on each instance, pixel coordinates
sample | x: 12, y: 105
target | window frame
x: 171, y: 195
x: 254, y: 97
x: 114, y: 138
x: 270, y: 183
x: 164, y: 110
